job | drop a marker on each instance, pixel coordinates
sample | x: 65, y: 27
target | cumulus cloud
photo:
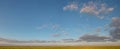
x: 72, y: 6
x: 96, y: 9
x: 115, y: 28
x: 105, y: 9
x: 89, y: 8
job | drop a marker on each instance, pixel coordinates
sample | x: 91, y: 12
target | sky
x: 55, y: 19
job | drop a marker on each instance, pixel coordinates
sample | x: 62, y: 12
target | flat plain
x: 59, y: 47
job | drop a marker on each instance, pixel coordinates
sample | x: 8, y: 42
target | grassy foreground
x: 59, y: 47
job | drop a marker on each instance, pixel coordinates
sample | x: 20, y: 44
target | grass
x: 59, y: 47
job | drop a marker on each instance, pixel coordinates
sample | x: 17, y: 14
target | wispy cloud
x: 55, y: 26
x: 89, y: 8
x: 96, y: 9
x: 65, y: 33
x: 56, y: 35
x: 42, y: 26
x: 48, y: 26
x: 72, y: 6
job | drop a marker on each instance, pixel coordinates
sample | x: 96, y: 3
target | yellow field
x: 59, y: 47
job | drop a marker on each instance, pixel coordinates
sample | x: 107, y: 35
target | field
x: 59, y: 47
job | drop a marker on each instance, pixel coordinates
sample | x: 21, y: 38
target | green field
x: 59, y: 47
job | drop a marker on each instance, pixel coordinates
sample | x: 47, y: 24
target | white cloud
x: 96, y: 9
x: 89, y: 8
x: 110, y: 9
x: 100, y: 17
x: 105, y: 9
x: 71, y: 6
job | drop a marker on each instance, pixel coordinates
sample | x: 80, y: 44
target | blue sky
x: 55, y: 19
